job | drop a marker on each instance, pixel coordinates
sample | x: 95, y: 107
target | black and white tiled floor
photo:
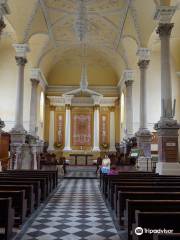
x: 76, y: 211
x: 81, y: 172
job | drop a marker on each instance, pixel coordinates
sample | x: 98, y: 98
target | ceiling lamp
x: 83, y: 84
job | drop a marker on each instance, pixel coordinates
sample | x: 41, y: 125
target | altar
x: 85, y: 155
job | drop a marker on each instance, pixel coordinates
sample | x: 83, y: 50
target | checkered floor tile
x: 81, y: 172
x: 76, y: 211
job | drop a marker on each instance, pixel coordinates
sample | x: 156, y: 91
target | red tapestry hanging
x: 81, y: 129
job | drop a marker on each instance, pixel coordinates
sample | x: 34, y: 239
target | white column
x: 144, y: 56
x: 51, y: 132
x: 33, y: 108
x: 68, y: 99
x: 67, y: 146
x: 112, y: 131
x: 128, y: 80
x: 167, y: 127
x: 96, y: 129
x: 21, y: 50
x: 143, y: 135
x: 96, y: 100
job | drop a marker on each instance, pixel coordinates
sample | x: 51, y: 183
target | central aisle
x: 76, y: 211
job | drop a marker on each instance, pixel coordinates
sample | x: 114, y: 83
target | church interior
x: 89, y: 119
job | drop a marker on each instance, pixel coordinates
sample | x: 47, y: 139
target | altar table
x: 76, y: 155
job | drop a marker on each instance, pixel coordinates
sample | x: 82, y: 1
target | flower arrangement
x: 105, y: 145
x: 58, y: 145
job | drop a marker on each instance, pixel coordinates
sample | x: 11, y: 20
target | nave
x: 76, y: 211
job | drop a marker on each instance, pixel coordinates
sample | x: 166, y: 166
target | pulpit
x: 4, y: 149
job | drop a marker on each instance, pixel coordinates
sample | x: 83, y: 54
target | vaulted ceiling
x: 114, y: 31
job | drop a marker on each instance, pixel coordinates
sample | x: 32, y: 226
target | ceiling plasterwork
x: 114, y: 28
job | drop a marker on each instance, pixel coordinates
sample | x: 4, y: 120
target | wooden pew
x: 53, y: 174
x: 42, y: 181
x: 123, y: 196
x: 35, y: 184
x: 156, y: 180
x: 105, y: 178
x: 143, y: 189
x: 148, y: 206
x: 48, y: 183
x: 19, y: 203
x: 29, y: 195
x: 6, y: 217
x: 173, y: 236
x: 155, y: 220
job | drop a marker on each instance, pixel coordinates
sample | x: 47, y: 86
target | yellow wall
x: 70, y: 75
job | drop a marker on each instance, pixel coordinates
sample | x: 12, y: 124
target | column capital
x: 143, y: 64
x: 128, y: 74
x: 164, y: 29
x: 143, y: 54
x: 21, y: 61
x: 35, y: 73
x: 21, y: 49
x: 34, y: 81
x: 68, y: 99
x: 128, y: 83
x: 96, y: 99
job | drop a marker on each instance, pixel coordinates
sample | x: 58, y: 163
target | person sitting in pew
x: 106, y: 163
x: 113, y: 170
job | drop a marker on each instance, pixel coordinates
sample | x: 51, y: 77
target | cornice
x: 59, y: 101
x: 104, y: 90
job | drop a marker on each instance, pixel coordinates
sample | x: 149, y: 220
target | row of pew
x: 146, y: 200
x: 21, y: 193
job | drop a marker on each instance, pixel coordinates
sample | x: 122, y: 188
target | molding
x: 4, y: 8
x: 30, y: 21
x: 127, y: 75
x: 143, y: 54
x: 37, y: 74
x: 178, y: 74
x: 59, y: 101
x: 164, y: 14
x: 48, y: 22
x: 104, y: 90
x: 21, y: 49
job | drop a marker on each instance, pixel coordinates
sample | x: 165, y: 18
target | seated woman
x: 106, y: 163
x: 114, y: 170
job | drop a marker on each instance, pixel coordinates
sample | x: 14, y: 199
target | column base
x: 144, y: 138
x: 167, y: 168
x: 96, y: 149
x: 112, y: 149
x: 167, y: 129
x: 67, y: 149
x: 144, y: 164
x: 51, y: 149
x: 18, y: 135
